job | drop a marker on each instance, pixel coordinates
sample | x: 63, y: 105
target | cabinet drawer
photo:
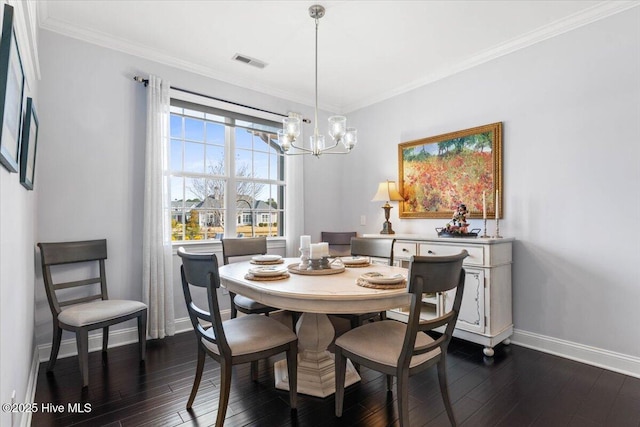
x: 476, y: 253
x: 404, y: 250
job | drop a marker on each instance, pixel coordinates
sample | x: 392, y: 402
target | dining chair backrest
x: 373, y: 247
x: 201, y: 270
x: 243, y: 246
x: 339, y: 242
x: 91, y: 251
x: 432, y: 274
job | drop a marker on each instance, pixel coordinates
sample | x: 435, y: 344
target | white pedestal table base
x: 316, y: 366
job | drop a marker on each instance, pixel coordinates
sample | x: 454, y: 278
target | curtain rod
x: 146, y: 83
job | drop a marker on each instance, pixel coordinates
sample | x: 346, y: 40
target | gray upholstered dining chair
x: 399, y: 349
x: 339, y: 242
x: 235, y: 341
x: 239, y: 247
x: 89, y: 309
x: 381, y: 248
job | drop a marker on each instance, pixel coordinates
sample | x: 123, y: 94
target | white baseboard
x: 116, y: 338
x: 617, y: 362
x: 30, y: 392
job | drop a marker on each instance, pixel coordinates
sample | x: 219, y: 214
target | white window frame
x: 230, y: 211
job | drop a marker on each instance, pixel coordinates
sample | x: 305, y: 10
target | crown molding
x: 597, y: 12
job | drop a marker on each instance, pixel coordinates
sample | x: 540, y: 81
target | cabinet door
x: 471, y: 317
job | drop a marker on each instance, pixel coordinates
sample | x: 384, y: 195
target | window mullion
x: 230, y: 220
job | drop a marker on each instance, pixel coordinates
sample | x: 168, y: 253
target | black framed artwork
x: 11, y: 92
x: 29, y: 146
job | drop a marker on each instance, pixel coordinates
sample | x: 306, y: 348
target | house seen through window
x: 226, y: 173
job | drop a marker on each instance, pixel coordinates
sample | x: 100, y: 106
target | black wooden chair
x: 339, y: 242
x: 79, y: 312
x: 235, y: 341
x: 399, y: 349
x: 375, y: 248
x: 240, y: 247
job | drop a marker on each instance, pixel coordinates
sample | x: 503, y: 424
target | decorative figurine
x: 458, y: 226
x: 458, y: 223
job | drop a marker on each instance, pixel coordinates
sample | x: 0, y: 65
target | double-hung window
x: 226, y: 174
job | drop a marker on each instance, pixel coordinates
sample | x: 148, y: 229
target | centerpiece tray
x: 335, y: 269
x: 443, y: 232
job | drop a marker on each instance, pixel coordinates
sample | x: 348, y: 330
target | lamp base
x: 386, y: 228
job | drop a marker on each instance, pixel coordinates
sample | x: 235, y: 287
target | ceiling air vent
x: 248, y: 60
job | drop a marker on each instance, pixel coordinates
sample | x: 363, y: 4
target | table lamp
x: 387, y: 191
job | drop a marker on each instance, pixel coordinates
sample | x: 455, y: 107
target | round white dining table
x: 315, y: 296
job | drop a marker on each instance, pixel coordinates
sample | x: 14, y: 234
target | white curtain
x: 294, y: 197
x: 157, y: 277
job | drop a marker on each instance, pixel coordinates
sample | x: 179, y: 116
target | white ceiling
x: 368, y: 50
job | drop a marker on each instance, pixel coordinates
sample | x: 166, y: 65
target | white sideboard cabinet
x: 485, y: 314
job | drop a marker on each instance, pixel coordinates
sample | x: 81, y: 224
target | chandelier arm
x: 307, y: 150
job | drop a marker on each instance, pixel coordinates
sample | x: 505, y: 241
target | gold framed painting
x: 438, y: 173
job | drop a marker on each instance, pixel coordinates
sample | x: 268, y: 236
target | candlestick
x: 498, y: 236
x: 484, y: 205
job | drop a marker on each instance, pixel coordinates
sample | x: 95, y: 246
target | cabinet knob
x: 405, y: 250
x: 431, y: 252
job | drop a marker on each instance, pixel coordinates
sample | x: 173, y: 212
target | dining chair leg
x: 292, y: 368
x: 105, y: 338
x: 403, y: 397
x: 341, y: 369
x: 196, y: 381
x: 389, y: 382
x: 82, y: 341
x: 55, y: 346
x: 234, y: 309
x: 254, y: 370
x: 225, y: 389
x: 142, y: 334
x: 444, y: 389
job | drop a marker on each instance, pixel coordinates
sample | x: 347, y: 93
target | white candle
x: 497, y: 206
x: 315, y: 251
x: 324, y: 249
x: 484, y: 205
x: 305, y: 241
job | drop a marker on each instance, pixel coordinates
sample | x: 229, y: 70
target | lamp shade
x: 387, y: 191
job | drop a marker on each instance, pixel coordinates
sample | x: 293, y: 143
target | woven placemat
x: 250, y: 276
x: 280, y: 261
x: 367, y: 284
x: 360, y: 265
x: 295, y: 268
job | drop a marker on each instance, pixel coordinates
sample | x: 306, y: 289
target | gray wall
x: 17, y: 240
x: 571, y: 112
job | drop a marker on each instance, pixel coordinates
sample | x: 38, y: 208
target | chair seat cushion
x: 252, y: 333
x: 382, y: 343
x: 98, y: 311
x: 248, y: 303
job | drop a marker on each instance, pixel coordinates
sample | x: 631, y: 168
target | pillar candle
x: 484, y: 205
x: 315, y: 251
x: 324, y: 249
x: 305, y: 241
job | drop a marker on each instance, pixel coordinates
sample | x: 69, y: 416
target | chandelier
x: 338, y: 130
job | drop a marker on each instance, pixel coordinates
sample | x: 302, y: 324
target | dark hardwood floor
x: 518, y: 387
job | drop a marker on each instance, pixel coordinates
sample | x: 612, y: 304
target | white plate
x: 266, y: 258
x: 355, y: 260
x: 268, y: 270
x: 382, y: 279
